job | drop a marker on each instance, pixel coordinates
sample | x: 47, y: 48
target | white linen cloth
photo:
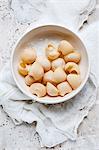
x: 54, y: 123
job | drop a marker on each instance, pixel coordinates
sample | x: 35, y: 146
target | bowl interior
x: 39, y: 38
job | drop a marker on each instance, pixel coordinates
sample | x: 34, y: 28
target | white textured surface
x: 11, y: 27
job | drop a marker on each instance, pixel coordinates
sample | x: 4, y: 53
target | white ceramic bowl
x: 39, y: 38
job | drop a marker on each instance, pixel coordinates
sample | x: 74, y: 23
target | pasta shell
x: 48, y: 77
x: 38, y: 89
x: 72, y: 67
x: 36, y: 71
x: 59, y: 62
x: 51, y: 90
x: 28, y: 56
x: 52, y: 52
x: 29, y: 80
x: 44, y: 62
x: 73, y: 57
x: 65, y: 47
x: 74, y: 80
x: 22, y: 69
x: 28, y: 67
x: 59, y: 75
x: 64, y: 88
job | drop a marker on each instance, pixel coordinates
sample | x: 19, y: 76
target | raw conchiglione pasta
x: 49, y: 77
x: 73, y: 57
x: 72, y: 67
x: 29, y: 55
x: 46, y: 64
x: 51, y: 89
x: 74, y: 80
x: 52, y: 52
x: 59, y: 62
x: 22, y: 69
x: 29, y: 80
x: 38, y: 89
x: 36, y: 71
x: 64, y: 88
x: 59, y: 75
x: 65, y: 47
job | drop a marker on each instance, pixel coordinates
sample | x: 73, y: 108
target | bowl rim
x: 33, y: 97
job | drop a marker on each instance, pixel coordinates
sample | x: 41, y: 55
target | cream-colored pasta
x: 44, y: 62
x: 64, y: 88
x: 29, y: 55
x: 51, y: 89
x: 73, y: 57
x: 59, y: 62
x: 48, y: 77
x: 22, y: 69
x: 36, y: 71
x: 52, y: 52
x: 28, y: 67
x: 38, y: 89
x: 72, y: 67
x: 29, y: 80
x: 55, y: 74
x: 74, y: 80
x: 59, y: 75
x: 65, y: 47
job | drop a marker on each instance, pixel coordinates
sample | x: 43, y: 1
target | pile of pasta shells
x: 55, y: 74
